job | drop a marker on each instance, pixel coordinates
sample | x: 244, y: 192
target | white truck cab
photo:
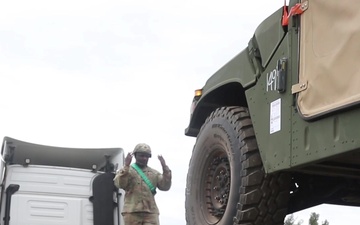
x: 45, y: 185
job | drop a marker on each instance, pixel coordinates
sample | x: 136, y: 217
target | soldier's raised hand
x: 128, y: 159
x: 162, y: 160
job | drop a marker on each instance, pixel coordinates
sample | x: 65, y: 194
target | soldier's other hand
x: 128, y: 159
x: 162, y: 160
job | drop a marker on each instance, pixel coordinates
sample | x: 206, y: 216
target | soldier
x: 140, y: 182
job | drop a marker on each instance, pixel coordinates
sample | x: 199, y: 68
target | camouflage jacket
x: 138, y: 197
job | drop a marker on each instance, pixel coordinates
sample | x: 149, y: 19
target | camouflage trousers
x: 139, y: 218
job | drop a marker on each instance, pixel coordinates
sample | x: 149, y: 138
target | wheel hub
x: 219, y: 184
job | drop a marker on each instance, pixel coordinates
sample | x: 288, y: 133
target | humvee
x: 276, y: 126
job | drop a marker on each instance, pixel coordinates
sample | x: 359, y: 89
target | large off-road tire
x: 226, y: 182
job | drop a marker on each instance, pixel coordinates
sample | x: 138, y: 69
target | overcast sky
x: 76, y: 73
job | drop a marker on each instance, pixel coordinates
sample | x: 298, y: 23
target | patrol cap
x: 142, y: 147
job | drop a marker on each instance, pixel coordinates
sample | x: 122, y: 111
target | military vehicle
x: 276, y: 126
x: 46, y: 185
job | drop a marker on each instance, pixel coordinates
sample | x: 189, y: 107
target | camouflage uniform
x: 140, y: 206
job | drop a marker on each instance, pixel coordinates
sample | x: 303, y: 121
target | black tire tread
x: 263, y: 198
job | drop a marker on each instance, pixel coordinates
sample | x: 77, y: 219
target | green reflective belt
x: 144, y: 177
